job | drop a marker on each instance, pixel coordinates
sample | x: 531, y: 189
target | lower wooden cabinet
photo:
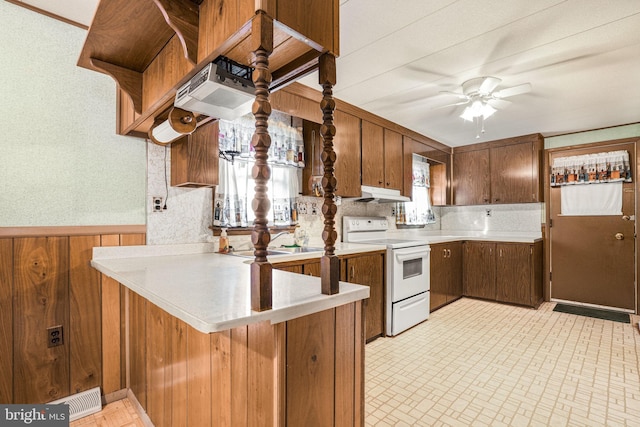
x: 368, y: 269
x: 446, y: 273
x: 364, y: 269
x: 505, y: 272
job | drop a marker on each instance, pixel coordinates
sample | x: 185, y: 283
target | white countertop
x: 211, y: 291
x: 443, y: 236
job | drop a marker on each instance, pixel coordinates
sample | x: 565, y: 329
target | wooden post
x: 261, y: 269
x: 329, y: 263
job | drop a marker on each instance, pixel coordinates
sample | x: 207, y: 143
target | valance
x: 612, y: 166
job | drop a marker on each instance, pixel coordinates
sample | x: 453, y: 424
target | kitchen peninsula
x: 196, y: 350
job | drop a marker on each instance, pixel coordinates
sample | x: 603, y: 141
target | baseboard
x: 139, y: 409
x: 115, y: 396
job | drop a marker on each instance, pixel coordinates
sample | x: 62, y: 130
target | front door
x: 592, y: 257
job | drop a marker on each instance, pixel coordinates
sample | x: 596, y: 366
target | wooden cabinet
x: 505, y: 272
x: 479, y: 267
x: 310, y: 267
x: 381, y: 157
x: 519, y: 273
x: 346, y: 145
x: 368, y: 269
x: 471, y: 178
x: 446, y: 273
x: 504, y: 171
x: 194, y: 158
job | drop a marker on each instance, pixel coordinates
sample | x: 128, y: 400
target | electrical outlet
x: 314, y: 209
x: 54, y: 336
x: 156, y: 204
x: 302, y: 208
x: 488, y: 211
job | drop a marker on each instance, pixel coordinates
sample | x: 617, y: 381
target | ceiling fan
x: 482, y: 99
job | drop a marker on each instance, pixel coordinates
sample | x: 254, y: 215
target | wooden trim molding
x: 49, y: 14
x: 72, y: 230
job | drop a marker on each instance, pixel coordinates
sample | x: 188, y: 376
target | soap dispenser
x: 223, y: 246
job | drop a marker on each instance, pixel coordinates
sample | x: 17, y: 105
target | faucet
x: 278, y: 235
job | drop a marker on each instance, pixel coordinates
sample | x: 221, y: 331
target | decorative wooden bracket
x: 183, y: 17
x: 130, y: 81
x: 329, y: 263
x: 261, y: 269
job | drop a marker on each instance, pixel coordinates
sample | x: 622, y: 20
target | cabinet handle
x: 448, y: 253
x: 444, y: 253
x: 496, y: 200
x: 486, y: 200
x: 500, y: 253
x: 353, y: 272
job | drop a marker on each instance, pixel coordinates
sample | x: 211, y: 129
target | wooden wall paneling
x: 199, y: 396
x: 345, y: 375
x: 162, y: 74
x: 84, y: 315
x: 262, y: 383
x: 239, y: 377
x: 311, y: 369
x: 179, y: 416
x: 359, y: 342
x: 112, y: 367
x: 221, y: 379
x: 314, y: 20
x: 137, y: 347
x: 296, y: 106
x: 159, y: 379
x: 6, y: 320
x: 41, y: 295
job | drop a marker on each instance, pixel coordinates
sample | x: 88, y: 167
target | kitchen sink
x: 279, y: 251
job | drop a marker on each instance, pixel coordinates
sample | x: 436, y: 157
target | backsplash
x: 188, y: 214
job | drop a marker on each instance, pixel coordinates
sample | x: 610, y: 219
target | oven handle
x: 422, y: 253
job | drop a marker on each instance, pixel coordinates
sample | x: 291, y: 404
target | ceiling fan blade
x: 451, y: 105
x: 512, y: 91
x: 498, y: 104
x: 488, y: 85
x: 458, y: 94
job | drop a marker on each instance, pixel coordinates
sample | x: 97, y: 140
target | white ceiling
x: 582, y: 58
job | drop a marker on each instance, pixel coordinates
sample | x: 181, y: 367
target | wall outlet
x: 156, y: 205
x: 488, y: 212
x: 54, y: 336
x: 314, y: 209
x: 302, y: 208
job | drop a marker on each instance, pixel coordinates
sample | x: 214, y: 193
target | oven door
x: 408, y: 272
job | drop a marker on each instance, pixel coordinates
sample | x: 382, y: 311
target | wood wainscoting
x: 306, y: 371
x: 46, y: 280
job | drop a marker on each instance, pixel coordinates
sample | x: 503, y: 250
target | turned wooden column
x: 261, y: 269
x: 329, y: 263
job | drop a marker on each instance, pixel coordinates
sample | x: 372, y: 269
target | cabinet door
x: 346, y: 144
x: 454, y: 267
x: 479, y: 270
x: 512, y: 174
x: 372, y: 155
x: 392, y: 160
x: 513, y: 273
x: 471, y: 183
x: 194, y: 158
x: 311, y: 268
x: 292, y: 268
x: 439, y: 276
x: 368, y: 270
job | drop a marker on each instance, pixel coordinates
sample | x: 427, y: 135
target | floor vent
x: 82, y: 404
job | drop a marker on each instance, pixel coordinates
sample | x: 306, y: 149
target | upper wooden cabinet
x: 381, y: 157
x: 346, y: 144
x: 194, y: 158
x: 152, y: 47
x: 503, y: 171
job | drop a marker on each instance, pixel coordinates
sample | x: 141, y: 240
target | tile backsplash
x: 188, y: 214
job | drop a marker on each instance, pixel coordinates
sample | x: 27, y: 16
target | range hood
x: 380, y: 195
x: 223, y: 89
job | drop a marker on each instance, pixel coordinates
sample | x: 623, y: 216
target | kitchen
x: 188, y: 214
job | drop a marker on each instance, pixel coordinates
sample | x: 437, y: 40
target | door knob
x: 619, y: 236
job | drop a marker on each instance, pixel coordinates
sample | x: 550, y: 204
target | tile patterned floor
x: 476, y: 363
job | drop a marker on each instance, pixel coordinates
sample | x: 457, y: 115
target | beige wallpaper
x: 61, y: 162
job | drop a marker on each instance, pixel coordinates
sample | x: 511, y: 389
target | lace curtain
x: 604, y: 167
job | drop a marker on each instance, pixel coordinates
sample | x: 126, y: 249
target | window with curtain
x: 612, y: 166
x: 418, y: 211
